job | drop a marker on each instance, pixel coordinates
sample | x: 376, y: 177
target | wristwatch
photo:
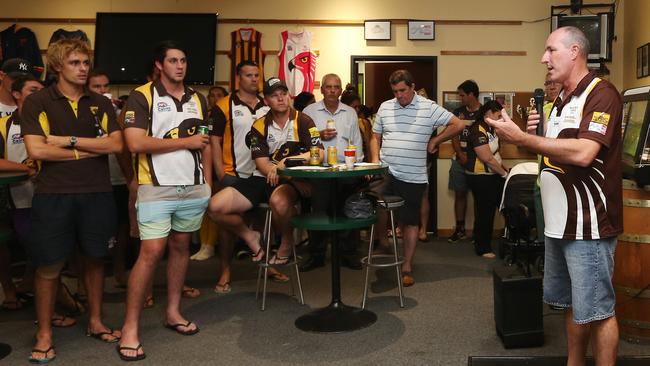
x: 73, y: 141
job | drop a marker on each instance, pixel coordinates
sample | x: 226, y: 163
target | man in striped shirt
x: 401, y: 138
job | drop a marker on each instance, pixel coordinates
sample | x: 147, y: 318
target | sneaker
x: 456, y: 236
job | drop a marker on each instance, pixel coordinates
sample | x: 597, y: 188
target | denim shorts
x: 578, y: 274
x: 457, y: 177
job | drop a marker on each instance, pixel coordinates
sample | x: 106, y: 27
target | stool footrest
x: 381, y: 264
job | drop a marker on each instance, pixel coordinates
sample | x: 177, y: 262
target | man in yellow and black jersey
x: 173, y: 168
x: 282, y: 133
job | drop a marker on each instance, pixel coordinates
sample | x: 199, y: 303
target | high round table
x: 336, y: 317
x: 6, y: 179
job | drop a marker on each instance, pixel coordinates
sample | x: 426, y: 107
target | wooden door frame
x: 432, y: 173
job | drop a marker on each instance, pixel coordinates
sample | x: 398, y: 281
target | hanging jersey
x: 149, y: 107
x: 585, y: 203
x: 21, y: 42
x: 232, y: 120
x: 246, y: 44
x: 13, y: 149
x: 268, y: 139
x: 297, y: 62
x: 481, y: 134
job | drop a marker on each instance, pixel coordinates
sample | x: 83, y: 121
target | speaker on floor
x: 518, y: 307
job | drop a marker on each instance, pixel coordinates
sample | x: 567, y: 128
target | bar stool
x: 390, y: 203
x: 264, y: 265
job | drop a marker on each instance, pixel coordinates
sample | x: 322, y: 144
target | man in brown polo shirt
x: 70, y: 130
x: 580, y: 182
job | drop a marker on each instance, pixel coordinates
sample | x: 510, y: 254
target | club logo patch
x: 313, y: 132
x: 599, y: 122
x: 129, y: 117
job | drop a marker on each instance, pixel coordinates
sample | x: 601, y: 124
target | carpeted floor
x: 448, y: 317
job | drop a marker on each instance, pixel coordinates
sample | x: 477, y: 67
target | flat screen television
x: 124, y: 44
x: 597, y: 27
x: 636, y: 136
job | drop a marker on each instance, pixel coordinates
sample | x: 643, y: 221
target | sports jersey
x: 21, y: 42
x: 270, y: 140
x: 468, y: 117
x: 12, y: 148
x: 585, y: 203
x: 246, y: 44
x: 49, y: 112
x: 405, y: 133
x: 231, y: 120
x: 481, y: 134
x: 6, y: 110
x: 151, y: 108
x: 297, y: 62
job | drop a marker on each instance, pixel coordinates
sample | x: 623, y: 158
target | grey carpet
x: 448, y: 317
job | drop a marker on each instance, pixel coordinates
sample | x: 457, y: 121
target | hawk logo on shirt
x: 94, y: 109
x: 164, y: 107
x: 187, y: 128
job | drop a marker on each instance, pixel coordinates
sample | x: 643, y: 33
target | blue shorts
x: 178, y: 208
x: 578, y: 274
x: 457, y: 177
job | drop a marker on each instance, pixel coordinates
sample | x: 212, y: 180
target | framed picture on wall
x: 451, y: 100
x: 421, y: 30
x: 505, y: 99
x: 376, y: 30
x: 645, y: 55
x: 483, y: 97
x: 639, y: 62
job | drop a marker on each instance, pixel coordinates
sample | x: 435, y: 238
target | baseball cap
x: 16, y: 67
x: 273, y: 84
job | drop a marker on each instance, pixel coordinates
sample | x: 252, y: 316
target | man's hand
x: 533, y: 121
x: 328, y: 134
x: 506, y: 129
x: 197, y: 142
x: 432, y: 146
x: 272, y: 177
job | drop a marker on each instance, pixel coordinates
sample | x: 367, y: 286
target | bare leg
x: 410, y: 240
x: 119, y: 254
x: 45, y: 291
x: 140, y: 279
x: 604, y: 341
x: 227, y: 208
x: 424, y: 215
x: 94, y: 280
x: 226, y: 248
x: 577, y: 339
x: 282, y: 203
x: 177, y: 261
x: 5, y: 275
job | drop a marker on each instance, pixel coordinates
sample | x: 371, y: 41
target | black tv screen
x: 124, y: 44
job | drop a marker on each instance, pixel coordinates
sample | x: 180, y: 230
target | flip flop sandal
x: 124, y: 357
x: 279, y: 260
x: 407, y: 279
x: 43, y: 360
x: 112, y: 338
x: 188, y: 332
x: 223, y: 289
x: 255, y: 255
x: 58, y: 321
x: 191, y: 293
x: 279, y: 277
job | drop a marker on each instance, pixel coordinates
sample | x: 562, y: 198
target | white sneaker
x: 206, y: 252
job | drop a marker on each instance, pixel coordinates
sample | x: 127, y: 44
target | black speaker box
x: 518, y: 307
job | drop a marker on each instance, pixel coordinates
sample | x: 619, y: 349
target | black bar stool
x: 390, y: 203
x: 264, y: 265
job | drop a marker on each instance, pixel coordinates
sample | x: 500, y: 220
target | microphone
x: 539, y: 106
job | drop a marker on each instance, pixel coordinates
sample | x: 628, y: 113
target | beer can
x: 331, y: 155
x: 314, y: 156
x: 331, y: 124
x: 203, y: 130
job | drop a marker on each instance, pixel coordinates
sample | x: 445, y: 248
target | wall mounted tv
x: 599, y: 29
x: 124, y: 44
x: 636, y: 137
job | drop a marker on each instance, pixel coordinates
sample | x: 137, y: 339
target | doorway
x: 370, y: 75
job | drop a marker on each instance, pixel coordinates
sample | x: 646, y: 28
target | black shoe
x: 352, y: 262
x: 457, y: 236
x: 312, y: 263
